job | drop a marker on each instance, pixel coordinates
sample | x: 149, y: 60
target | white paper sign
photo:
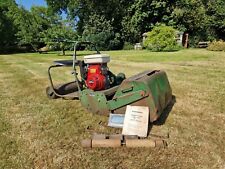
x: 136, y: 121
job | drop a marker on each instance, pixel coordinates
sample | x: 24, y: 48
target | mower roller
x: 118, y: 140
x: 100, y: 91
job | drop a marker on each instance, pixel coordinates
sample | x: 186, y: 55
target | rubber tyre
x: 50, y: 94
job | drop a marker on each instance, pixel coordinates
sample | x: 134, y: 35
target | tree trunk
x: 63, y: 52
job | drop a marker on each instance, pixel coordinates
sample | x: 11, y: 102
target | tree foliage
x: 110, y: 23
x: 33, y: 24
x: 97, y: 21
x: 7, y: 27
x: 202, y: 19
x: 100, y: 31
x: 58, y: 35
x: 35, y: 28
x: 141, y: 17
x: 216, y: 20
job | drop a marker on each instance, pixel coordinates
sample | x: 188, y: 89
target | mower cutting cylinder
x: 62, y: 89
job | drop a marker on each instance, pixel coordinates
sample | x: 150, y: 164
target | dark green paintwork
x: 94, y: 101
x: 126, y: 99
x: 149, y: 88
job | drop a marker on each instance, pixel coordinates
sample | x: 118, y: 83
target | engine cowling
x: 96, y: 80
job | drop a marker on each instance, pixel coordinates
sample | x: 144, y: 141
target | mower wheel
x: 50, y: 93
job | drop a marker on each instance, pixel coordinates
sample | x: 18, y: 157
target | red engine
x: 97, y: 75
x: 96, y: 78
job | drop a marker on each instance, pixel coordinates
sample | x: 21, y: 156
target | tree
x: 215, y: 11
x: 32, y: 24
x: 127, y: 19
x: 7, y: 27
x: 203, y: 19
x: 190, y: 16
x: 100, y: 31
x: 81, y: 10
x: 89, y: 14
x: 110, y: 23
x: 59, y: 34
x: 142, y: 15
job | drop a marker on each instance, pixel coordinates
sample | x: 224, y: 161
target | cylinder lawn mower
x: 102, y: 92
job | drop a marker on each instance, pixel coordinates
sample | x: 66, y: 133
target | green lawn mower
x: 100, y: 91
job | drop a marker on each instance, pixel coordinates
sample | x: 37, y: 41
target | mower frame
x: 71, y: 63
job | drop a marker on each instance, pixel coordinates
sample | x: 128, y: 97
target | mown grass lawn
x: 36, y: 132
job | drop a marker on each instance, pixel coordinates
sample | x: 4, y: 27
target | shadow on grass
x: 163, y: 117
x: 80, y: 54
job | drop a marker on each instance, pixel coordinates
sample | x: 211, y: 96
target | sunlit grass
x: 36, y: 132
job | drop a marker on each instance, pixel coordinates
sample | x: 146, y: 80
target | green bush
x: 161, y: 38
x: 217, y: 46
x: 128, y: 46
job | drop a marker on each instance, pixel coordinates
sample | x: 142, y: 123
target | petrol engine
x: 98, y: 76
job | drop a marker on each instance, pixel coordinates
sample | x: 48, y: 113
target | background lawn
x: 36, y: 132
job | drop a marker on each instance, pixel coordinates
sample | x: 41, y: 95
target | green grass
x: 144, y: 55
x: 36, y: 132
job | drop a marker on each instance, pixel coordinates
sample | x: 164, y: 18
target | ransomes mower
x: 100, y: 91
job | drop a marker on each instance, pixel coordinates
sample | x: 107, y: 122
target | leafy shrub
x: 128, y: 46
x: 217, y: 46
x: 161, y: 38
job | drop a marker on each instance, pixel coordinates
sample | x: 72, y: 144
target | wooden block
x: 106, y: 143
x: 140, y: 143
x: 98, y: 136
